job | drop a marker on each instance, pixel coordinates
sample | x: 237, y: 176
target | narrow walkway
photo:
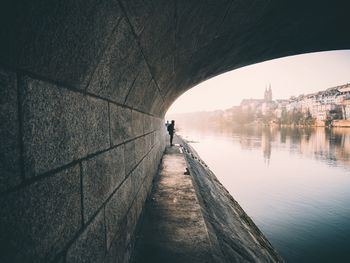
x: 173, y: 229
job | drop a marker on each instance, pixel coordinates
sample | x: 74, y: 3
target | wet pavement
x: 173, y: 229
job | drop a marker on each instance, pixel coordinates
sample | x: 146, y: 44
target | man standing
x: 171, y: 130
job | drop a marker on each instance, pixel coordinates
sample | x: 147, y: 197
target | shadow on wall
x: 84, y: 86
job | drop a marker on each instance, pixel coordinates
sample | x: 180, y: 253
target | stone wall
x: 75, y: 172
x: 84, y: 86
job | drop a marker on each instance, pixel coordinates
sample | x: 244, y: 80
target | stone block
x: 118, y: 248
x: 116, y: 209
x: 149, y: 182
x: 37, y: 222
x: 208, y: 27
x: 148, y: 164
x: 147, y: 123
x: 119, y: 66
x: 121, y: 129
x: 139, y: 90
x: 157, y: 107
x: 91, y: 244
x: 137, y: 176
x: 156, y: 22
x: 137, y: 123
x: 102, y: 174
x: 60, y: 126
x: 138, y: 13
x: 149, y: 95
x: 144, y: 191
x: 10, y: 172
x: 140, y: 150
x: 149, y: 141
x: 61, y: 40
x: 130, y: 157
x: 152, y: 138
x: 131, y: 222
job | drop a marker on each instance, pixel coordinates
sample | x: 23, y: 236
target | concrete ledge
x: 233, y: 235
x: 193, y: 218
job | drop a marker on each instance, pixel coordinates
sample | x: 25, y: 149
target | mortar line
x: 109, y: 125
x: 19, y: 83
x: 131, y: 87
x: 103, y: 51
x: 105, y: 227
x: 114, y: 191
x: 175, y: 34
x: 63, y: 85
x: 93, y: 217
x: 81, y: 193
x: 54, y: 171
x: 139, y: 46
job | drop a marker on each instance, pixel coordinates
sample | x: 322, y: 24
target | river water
x: 293, y: 183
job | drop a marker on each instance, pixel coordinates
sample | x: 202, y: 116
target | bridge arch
x: 84, y: 89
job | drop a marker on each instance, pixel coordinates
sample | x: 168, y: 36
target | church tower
x: 268, y: 94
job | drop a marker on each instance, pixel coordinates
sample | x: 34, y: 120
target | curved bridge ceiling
x: 84, y: 85
x: 144, y: 54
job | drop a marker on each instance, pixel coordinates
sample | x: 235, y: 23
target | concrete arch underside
x: 84, y: 86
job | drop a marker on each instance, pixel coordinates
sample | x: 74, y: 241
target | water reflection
x: 293, y: 182
x: 331, y: 146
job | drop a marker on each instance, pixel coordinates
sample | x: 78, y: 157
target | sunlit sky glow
x: 289, y: 76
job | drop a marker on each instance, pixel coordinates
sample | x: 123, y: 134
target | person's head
x: 172, y: 122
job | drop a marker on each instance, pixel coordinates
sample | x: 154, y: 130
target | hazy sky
x: 294, y: 75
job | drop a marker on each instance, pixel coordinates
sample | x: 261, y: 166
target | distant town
x: 330, y: 107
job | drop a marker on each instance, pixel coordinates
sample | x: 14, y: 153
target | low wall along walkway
x: 191, y: 217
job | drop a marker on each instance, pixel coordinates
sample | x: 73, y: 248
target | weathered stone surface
x: 157, y: 108
x: 91, y: 244
x: 61, y: 40
x: 131, y: 221
x: 138, y: 12
x: 148, y: 123
x: 60, y: 126
x: 118, y: 251
x: 149, y: 142
x: 156, y: 24
x: 140, y: 150
x: 120, y: 118
x: 137, y: 176
x: 150, y: 96
x: 184, y: 42
x: 10, y: 172
x: 209, y: 25
x: 140, y: 89
x: 116, y: 209
x: 130, y: 157
x: 38, y: 221
x: 102, y: 174
x: 148, y: 164
x: 119, y: 67
x: 137, y: 123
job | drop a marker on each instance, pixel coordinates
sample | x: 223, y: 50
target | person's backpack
x: 170, y: 129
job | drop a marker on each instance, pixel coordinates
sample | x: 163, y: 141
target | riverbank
x: 234, y: 235
x: 334, y: 123
x: 190, y: 217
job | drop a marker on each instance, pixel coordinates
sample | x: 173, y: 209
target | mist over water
x: 293, y: 183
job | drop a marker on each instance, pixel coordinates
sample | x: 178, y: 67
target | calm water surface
x: 294, y: 184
